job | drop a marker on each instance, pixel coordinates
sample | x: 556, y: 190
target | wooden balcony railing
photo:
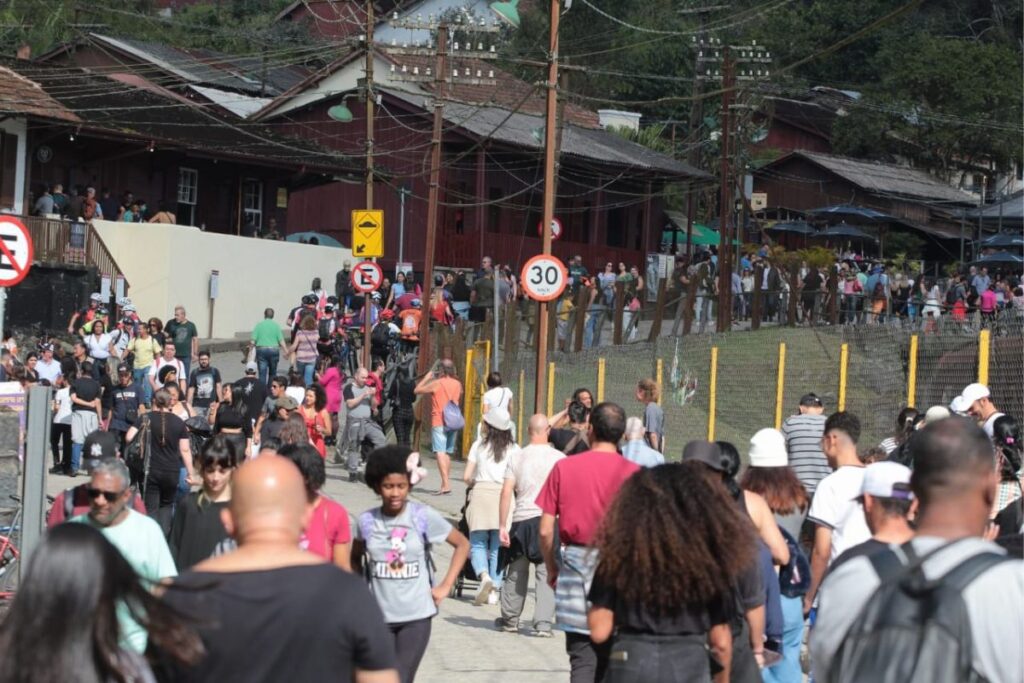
x: 64, y: 242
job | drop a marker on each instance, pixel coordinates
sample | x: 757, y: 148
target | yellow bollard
x: 712, y: 393
x: 912, y: 373
x: 780, y: 385
x: 659, y: 373
x: 983, y: 352
x: 551, y: 388
x: 600, y: 380
x: 844, y: 358
x: 519, y: 403
x: 469, y: 432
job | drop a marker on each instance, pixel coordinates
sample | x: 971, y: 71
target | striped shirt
x: 803, y: 442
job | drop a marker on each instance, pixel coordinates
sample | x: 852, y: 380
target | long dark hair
x: 731, y: 460
x: 672, y: 537
x: 63, y: 626
x: 1007, y: 438
x: 905, y: 424
x: 499, y: 440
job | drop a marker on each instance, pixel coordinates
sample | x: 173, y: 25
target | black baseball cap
x: 811, y: 400
x: 123, y: 368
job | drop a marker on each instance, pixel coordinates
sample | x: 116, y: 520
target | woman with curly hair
x: 672, y: 546
x: 314, y: 415
x: 1006, y: 435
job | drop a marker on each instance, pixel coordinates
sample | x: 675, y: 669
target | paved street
x: 464, y: 640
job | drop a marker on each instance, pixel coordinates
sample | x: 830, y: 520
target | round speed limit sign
x: 544, y: 277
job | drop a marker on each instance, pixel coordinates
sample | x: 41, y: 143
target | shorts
x: 442, y: 440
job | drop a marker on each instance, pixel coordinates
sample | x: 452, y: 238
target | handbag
x: 136, y: 455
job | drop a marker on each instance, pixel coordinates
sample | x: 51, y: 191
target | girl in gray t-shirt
x: 392, y: 547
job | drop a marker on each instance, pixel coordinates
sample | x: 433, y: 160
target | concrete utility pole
x: 724, y: 317
x: 550, y: 149
x: 432, y: 195
x: 367, y: 302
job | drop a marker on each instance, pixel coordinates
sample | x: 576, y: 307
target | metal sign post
x: 33, y: 487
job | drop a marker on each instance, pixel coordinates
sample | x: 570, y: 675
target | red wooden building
x: 609, y: 189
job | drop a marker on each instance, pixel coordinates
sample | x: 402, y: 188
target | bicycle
x: 9, y: 552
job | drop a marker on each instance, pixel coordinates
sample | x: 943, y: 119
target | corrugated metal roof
x: 244, y: 74
x: 21, y: 96
x: 1011, y: 208
x: 887, y: 179
x: 526, y: 131
x: 238, y: 104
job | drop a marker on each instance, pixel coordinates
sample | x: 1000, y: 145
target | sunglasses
x: 111, y: 496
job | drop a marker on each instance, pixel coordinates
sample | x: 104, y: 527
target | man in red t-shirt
x: 578, y: 492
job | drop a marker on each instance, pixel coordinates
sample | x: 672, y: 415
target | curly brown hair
x: 672, y: 537
x: 779, y: 487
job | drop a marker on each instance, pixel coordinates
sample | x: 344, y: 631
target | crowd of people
x: 211, y: 551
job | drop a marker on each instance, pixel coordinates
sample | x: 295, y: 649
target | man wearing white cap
x: 978, y: 401
x: 887, y: 501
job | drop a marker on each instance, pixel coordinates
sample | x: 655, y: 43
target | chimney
x: 24, y: 52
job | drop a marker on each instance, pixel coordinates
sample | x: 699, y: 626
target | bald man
x: 269, y: 611
x: 526, y: 473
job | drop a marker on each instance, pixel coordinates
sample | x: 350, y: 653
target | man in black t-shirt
x: 575, y: 439
x: 125, y: 405
x: 273, y: 612
x: 203, y: 386
x: 85, y: 413
x: 250, y: 393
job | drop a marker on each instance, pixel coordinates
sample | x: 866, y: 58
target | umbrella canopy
x: 308, y: 237
x: 1002, y: 240
x: 796, y: 227
x: 845, y: 231
x: 851, y: 212
x: 1000, y: 258
x: 702, y: 235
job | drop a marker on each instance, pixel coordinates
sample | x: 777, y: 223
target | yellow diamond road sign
x: 367, y: 233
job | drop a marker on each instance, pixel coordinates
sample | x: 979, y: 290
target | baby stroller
x: 467, y: 573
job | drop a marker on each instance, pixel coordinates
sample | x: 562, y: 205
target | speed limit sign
x: 544, y: 277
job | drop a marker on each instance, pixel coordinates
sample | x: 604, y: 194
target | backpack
x: 912, y: 628
x: 323, y: 328
x: 452, y: 417
x: 380, y: 335
x: 419, y: 519
x: 795, y: 577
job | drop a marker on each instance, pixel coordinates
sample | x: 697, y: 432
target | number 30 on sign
x: 544, y: 278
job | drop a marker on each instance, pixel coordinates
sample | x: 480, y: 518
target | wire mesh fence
x: 747, y: 391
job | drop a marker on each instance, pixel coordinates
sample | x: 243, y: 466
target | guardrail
x: 65, y: 242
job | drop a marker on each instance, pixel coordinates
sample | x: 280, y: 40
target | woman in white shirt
x: 485, y: 475
x: 60, y: 434
x: 99, y: 344
x: 496, y: 396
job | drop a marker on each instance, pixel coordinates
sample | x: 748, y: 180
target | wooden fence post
x: 757, y: 299
x: 620, y: 295
x: 659, y: 310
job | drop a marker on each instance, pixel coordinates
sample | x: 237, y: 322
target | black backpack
x: 913, y: 629
x: 323, y: 328
x: 380, y: 335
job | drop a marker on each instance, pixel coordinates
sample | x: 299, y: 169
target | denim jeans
x: 306, y: 370
x: 592, y: 332
x: 186, y: 361
x: 461, y: 309
x: 636, y: 658
x: 788, y: 670
x: 483, y: 553
x: 702, y: 311
x: 141, y: 377
x: 266, y: 360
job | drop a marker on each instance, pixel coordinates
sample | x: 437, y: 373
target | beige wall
x: 166, y: 265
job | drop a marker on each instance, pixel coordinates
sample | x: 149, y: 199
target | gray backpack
x: 913, y: 629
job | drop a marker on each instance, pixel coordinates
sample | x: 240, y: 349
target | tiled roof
x: 21, y: 96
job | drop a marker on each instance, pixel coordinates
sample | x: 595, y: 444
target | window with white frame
x: 188, y: 191
x: 252, y: 204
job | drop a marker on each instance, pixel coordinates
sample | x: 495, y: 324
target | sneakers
x: 353, y: 477
x: 484, y: 591
x: 545, y: 633
x: 505, y: 626
x: 492, y: 599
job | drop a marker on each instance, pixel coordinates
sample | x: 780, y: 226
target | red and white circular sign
x: 544, y: 277
x: 367, y: 277
x: 16, y: 251
x: 556, y: 229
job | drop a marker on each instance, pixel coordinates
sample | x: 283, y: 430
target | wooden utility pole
x: 432, y: 196
x: 540, y: 386
x: 724, y: 317
x: 367, y: 301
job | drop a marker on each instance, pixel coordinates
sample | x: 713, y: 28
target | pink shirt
x: 328, y: 527
x: 331, y: 382
x: 988, y: 301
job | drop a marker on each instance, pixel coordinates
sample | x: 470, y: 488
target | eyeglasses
x: 111, y: 496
